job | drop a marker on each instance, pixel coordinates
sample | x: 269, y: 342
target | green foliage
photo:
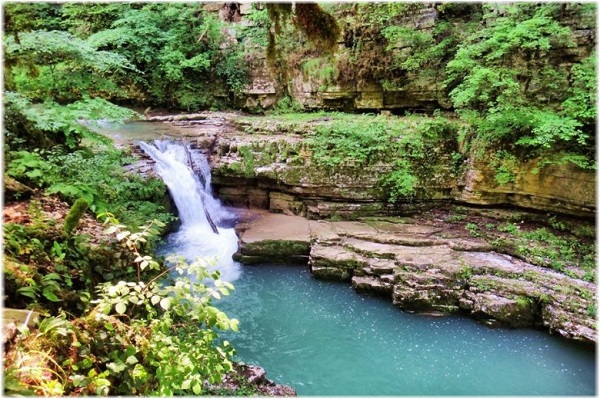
x: 524, y: 301
x: 29, y: 125
x: 39, y: 260
x: 523, y: 103
x: 285, y: 106
x: 48, y: 287
x: 19, y: 17
x: 248, y: 160
x: 556, y: 250
x: 96, y: 176
x: 591, y: 310
x: 178, y: 47
x: 505, y: 165
x: 505, y: 68
x: 29, y: 167
x: 156, y: 333
x: 75, y: 213
x: 85, y: 19
x: 352, y: 142
x: 412, y: 146
x: 508, y: 228
x: 401, y: 182
x: 465, y: 273
x: 58, y: 65
x: 322, y: 69
x: 581, y: 103
x: 473, y: 229
x: 255, y: 35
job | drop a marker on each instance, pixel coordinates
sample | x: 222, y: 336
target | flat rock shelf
x: 421, y: 270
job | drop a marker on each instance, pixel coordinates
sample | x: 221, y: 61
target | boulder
x: 15, y: 190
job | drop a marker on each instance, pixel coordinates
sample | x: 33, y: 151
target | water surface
x: 324, y: 339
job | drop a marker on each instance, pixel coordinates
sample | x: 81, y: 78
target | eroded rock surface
x: 419, y: 268
x: 267, y: 164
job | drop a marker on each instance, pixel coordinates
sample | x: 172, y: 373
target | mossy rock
x: 14, y: 190
x: 75, y: 214
x: 331, y: 273
x: 276, y: 248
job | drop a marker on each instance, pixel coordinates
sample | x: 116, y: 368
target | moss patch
x: 276, y: 248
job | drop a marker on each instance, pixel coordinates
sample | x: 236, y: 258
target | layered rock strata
x: 261, y: 163
x: 420, y: 269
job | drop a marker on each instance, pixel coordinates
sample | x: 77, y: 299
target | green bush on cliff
x: 354, y: 142
x: 401, y: 182
x: 411, y: 145
x: 519, y: 74
x: 523, y: 106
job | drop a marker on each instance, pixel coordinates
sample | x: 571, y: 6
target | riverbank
x: 429, y: 263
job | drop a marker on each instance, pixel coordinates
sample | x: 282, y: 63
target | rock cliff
x: 363, y: 74
x: 266, y: 163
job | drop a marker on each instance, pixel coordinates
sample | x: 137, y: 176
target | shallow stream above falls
x: 322, y: 338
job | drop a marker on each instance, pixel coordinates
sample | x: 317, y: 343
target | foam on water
x: 187, y: 175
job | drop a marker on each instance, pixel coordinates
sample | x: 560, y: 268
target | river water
x: 324, y: 339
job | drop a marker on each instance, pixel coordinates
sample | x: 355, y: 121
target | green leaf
x: 28, y: 292
x: 122, y: 235
x: 50, y: 295
x: 131, y: 360
x: 197, y: 389
x: 165, y: 303
x: 120, y: 308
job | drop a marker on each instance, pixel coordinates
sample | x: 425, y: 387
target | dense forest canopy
x: 519, y: 79
x: 522, y: 75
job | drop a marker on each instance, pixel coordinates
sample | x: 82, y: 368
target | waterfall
x: 187, y: 175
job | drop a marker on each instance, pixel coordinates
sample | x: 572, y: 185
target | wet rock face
x: 420, y: 269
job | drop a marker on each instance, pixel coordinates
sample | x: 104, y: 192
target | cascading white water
x: 192, y: 194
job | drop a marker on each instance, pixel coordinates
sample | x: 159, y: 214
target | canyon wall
x: 261, y: 163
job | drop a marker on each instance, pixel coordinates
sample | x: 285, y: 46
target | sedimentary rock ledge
x: 422, y: 268
x: 266, y: 163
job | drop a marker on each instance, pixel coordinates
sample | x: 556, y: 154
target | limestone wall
x: 416, y: 91
x: 556, y: 188
x: 295, y: 185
